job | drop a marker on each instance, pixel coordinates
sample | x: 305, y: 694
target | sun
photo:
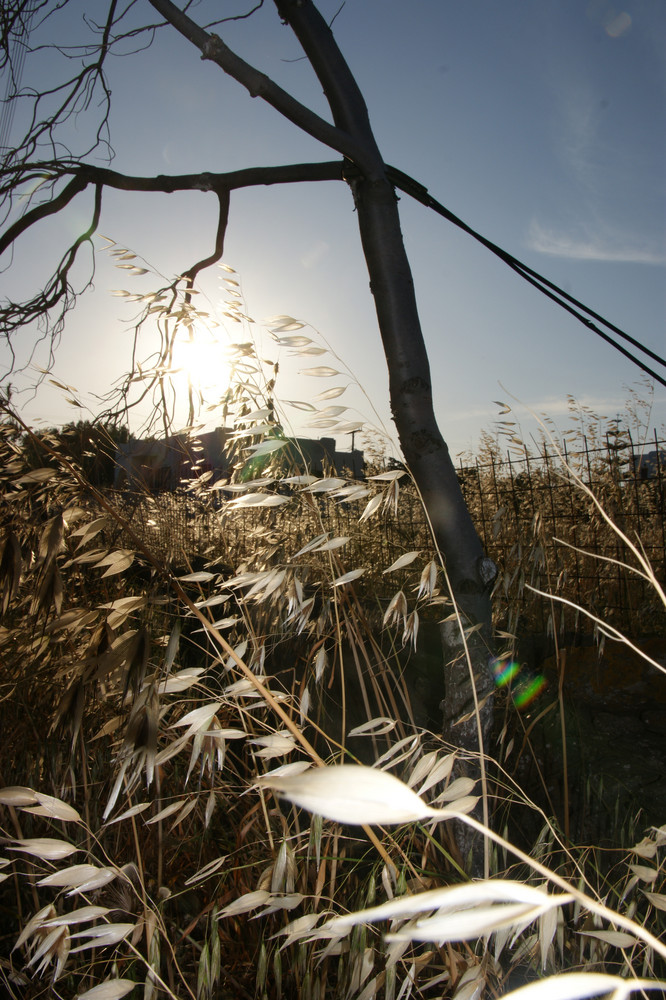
x: 201, y: 361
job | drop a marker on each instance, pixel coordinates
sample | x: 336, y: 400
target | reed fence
x: 541, y: 528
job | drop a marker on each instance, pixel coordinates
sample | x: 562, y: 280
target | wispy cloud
x: 618, y: 247
x: 315, y: 253
x: 608, y: 184
x: 578, y: 144
x: 556, y: 406
x: 550, y: 407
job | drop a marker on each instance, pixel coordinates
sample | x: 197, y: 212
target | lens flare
x: 526, y: 692
x: 525, y: 689
x: 505, y: 671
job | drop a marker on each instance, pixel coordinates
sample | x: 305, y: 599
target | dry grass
x: 107, y: 672
x: 157, y: 659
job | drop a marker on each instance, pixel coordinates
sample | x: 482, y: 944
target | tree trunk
x: 469, y: 572
x: 467, y: 658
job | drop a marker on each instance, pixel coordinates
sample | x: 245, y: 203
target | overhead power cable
x: 578, y: 309
x: 15, y: 71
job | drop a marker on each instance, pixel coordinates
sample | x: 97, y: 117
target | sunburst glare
x: 201, y: 361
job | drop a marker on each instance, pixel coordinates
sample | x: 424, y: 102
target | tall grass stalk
x: 177, y: 698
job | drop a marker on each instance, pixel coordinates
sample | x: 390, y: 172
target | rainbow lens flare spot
x: 505, y: 671
x: 523, y: 689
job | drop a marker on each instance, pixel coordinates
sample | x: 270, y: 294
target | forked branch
x: 59, y: 296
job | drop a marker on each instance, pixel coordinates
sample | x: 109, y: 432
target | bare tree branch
x: 84, y: 175
x: 258, y: 84
x: 235, y: 17
x: 74, y: 95
x: 342, y: 92
x: 35, y: 215
x: 216, y: 255
x: 58, y: 293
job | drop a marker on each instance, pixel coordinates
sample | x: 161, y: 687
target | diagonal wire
x: 15, y: 72
x: 578, y: 309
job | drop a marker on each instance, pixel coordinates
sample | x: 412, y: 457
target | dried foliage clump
x: 202, y: 700
x: 545, y: 532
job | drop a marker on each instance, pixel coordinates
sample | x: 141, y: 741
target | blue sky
x: 540, y: 124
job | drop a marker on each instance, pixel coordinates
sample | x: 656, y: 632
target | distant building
x: 157, y: 465
x: 319, y: 457
x: 650, y: 464
x: 164, y: 465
